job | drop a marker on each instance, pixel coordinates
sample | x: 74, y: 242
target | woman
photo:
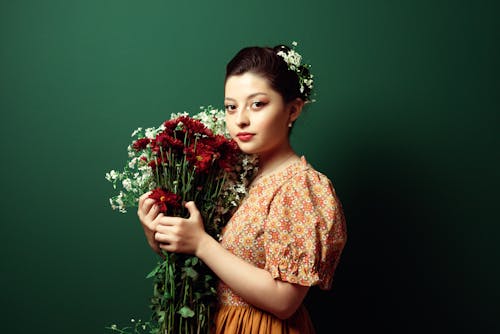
x: 289, y: 232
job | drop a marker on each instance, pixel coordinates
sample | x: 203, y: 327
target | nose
x: 242, y: 119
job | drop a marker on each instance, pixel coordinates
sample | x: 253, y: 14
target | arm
x: 253, y: 284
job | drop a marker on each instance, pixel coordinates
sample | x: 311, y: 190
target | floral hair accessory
x: 293, y: 59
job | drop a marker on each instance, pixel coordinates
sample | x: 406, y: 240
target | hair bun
x: 281, y: 66
x: 293, y: 59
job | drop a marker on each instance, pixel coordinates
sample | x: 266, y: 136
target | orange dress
x: 292, y: 225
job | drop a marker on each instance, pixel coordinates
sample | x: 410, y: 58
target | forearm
x: 253, y: 284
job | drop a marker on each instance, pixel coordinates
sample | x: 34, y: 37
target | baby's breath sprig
x: 294, y: 62
x: 137, y: 327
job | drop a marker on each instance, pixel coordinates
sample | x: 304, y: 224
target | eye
x: 230, y: 108
x: 257, y: 105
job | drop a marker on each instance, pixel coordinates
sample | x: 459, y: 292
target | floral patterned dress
x: 292, y: 225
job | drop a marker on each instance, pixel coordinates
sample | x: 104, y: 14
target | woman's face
x: 256, y: 115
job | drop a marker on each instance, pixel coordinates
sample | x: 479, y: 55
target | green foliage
x: 183, y: 285
x: 184, y: 297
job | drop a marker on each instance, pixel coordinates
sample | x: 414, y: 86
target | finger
x: 148, y: 204
x: 153, y: 212
x: 156, y: 221
x: 167, y: 247
x: 194, y: 214
x: 165, y: 229
x: 143, y: 198
x: 165, y: 238
x: 162, y: 238
x: 149, y: 222
x: 145, y: 204
x: 168, y: 220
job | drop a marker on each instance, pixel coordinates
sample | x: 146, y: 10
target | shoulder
x: 305, y: 180
x: 308, y: 190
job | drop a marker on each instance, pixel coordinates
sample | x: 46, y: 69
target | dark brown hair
x: 265, y: 62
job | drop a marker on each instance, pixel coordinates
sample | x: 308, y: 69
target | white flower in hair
x: 294, y: 62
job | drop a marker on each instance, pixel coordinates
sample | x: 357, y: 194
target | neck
x: 272, y: 162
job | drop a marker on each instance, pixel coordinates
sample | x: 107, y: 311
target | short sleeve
x: 305, y: 232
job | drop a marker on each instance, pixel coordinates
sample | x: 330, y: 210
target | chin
x: 247, y: 148
x: 248, y: 151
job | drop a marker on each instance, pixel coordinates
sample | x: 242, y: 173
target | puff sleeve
x: 305, y: 232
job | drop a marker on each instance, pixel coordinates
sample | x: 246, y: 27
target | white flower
x: 112, y: 175
x: 143, y: 168
x: 132, y: 162
x: 119, y: 199
x: 151, y: 133
x: 294, y: 60
x: 178, y: 114
x: 213, y: 119
x: 127, y: 184
x: 136, y: 131
x: 131, y: 151
x: 240, y: 188
x: 112, y: 203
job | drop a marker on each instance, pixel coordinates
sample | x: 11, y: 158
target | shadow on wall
x: 384, y: 282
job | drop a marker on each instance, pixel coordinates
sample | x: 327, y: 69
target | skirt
x: 250, y: 320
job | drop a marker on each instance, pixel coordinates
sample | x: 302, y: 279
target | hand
x: 180, y: 235
x: 147, y: 213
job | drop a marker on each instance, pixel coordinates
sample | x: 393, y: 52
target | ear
x: 294, y: 109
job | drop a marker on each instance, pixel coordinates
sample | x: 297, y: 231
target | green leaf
x: 186, y: 312
x: 194, y: 261
x: 161, y: 316
x: 190, y: 272
x: 154, y: 271
x: 156, y: 292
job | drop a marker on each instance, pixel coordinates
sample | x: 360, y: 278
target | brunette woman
x: 288, y: 233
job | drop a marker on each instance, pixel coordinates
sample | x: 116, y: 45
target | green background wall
x: 405, y: 124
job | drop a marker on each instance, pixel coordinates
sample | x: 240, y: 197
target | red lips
x: 245, y: 136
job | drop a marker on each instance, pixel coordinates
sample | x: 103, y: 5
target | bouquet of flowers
x: 185, y: 159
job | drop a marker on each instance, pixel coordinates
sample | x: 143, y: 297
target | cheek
x: 229, y: 125
x: 271, y: 124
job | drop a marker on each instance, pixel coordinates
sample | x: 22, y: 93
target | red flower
x: 194, y: 127
x: 201, y: 157
x: 170, y: 125
x: 166, y: 141
x: 227, y: 152
x: 141, y: 144
x: 185, y: 125
x: 165, y: 199
x: 154, y: 164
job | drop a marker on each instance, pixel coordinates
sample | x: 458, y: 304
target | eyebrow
x: 248, y: 97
